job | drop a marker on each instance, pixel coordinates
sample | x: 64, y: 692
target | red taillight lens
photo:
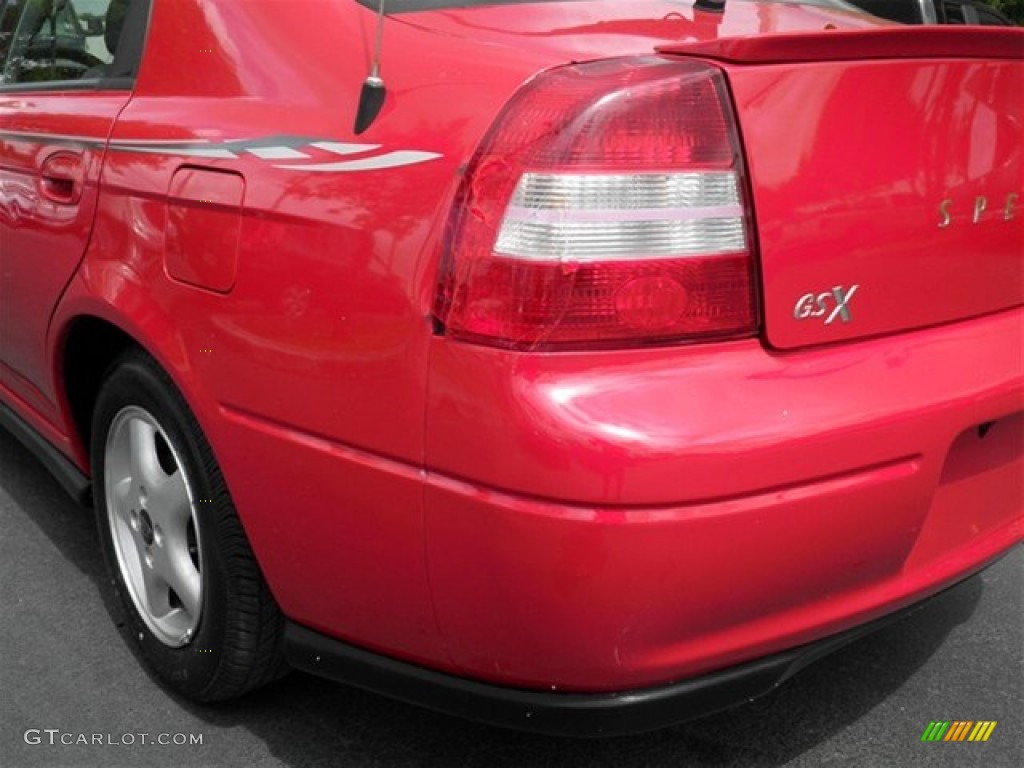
x: 603, y: 208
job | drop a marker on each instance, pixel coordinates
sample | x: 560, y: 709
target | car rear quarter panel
x: 317, y: 353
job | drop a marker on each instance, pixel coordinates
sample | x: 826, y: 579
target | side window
x: 903, y: 11
x: 60, y: 40
x: 954, y: 13
x: 9, y: 14
x: 988, y: 18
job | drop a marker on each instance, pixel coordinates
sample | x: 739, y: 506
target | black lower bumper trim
x: 563, y: 714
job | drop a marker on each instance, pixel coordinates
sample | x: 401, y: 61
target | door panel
x: 51, y: 150
x: 65, y: 74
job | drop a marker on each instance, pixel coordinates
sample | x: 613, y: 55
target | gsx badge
x: 834, y: 303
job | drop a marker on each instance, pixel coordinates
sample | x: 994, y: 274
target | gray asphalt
x: 65, y: 667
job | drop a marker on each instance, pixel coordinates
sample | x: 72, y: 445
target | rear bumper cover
x: 630, y: 520
x: 565, y: 714
x: 593, y: 525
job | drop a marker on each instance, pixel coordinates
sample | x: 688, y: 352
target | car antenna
x: 710, y: 6
x: 371, y: 96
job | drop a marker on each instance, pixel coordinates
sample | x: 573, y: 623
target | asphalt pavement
x: 73, y: 694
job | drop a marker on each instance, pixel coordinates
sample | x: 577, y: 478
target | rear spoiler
x: 910, y: 42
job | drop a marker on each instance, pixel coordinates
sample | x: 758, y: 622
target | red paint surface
x: 593, y: 520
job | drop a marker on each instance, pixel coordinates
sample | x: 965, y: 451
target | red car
x: 575, y: 366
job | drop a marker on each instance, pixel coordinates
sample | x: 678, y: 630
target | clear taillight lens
x: 605, y: 207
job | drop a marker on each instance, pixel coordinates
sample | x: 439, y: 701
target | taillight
x: 605, y: 207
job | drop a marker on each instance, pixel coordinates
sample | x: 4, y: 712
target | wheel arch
x: 90, y: 346
x: 88, y: 343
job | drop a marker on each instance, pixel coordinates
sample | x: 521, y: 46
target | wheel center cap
x: 146, y: 528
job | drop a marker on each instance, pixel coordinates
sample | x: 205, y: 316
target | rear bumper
x: 562, y: 714
x: 634, y: 519
x: 592, y: 524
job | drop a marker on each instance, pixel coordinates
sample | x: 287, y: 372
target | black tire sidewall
x: 134, y: 380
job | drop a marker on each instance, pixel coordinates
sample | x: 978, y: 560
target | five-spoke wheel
x: 152, y: 517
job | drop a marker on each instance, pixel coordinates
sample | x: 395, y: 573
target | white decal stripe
x: 277, y: 153
x: 339, y: 148
x: 390, y: 160
x: 224, y: 154
x: 203, y: 148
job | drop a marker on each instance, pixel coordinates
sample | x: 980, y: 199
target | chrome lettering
x: 980, y: 202
x: 947, y: 217
x: 803, y: 307
x: 1010, y: 209
x: 819, y: 304
x: 1007, y: 210
x: 822, y: 309
x: 842, y: 303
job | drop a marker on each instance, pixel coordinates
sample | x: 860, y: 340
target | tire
x: 179, y: 562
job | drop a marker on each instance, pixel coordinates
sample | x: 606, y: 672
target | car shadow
x: 306, y: 721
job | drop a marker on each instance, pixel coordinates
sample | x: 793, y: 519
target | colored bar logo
x: 958, y: 730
